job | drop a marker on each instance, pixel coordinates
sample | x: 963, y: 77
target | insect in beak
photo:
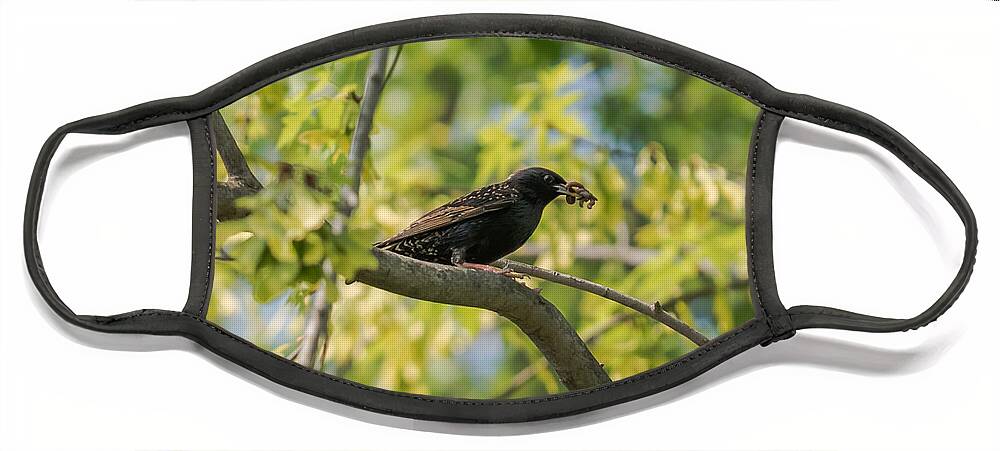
x: 575, y: 191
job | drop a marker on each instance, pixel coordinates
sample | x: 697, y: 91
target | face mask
x: 461, y: 146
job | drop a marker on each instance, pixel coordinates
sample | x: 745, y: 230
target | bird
x: 487, y: 224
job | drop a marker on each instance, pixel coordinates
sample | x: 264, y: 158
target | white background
x: 852, y: 229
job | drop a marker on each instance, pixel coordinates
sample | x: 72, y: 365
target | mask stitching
x: 664, y: 369
x: 827, y: 311
x: 753, y: 223
x: 211, y: 216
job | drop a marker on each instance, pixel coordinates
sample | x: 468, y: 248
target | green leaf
x: 272, y: 278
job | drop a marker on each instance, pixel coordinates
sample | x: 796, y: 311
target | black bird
x: 481, y: 227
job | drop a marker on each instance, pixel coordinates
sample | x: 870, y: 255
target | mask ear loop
x: 148, y: 321
x: 852, y: 121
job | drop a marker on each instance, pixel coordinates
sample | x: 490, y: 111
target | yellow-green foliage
x: 663, y: 151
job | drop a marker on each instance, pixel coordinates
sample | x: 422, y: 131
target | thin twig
x: 654, y: 310
x: 392, y: 67
x: 361, y: 141
x: 316, y: 328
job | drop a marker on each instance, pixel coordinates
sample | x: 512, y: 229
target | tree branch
x: 522, y: 377
x: 541, y: 321
x: 360, y: 140
x: 240, y: 181
x: 654, y: 310
x: 316, y: 330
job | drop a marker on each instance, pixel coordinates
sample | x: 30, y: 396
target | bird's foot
x: 506, y: 272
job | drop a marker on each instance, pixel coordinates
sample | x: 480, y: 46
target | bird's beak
x: 563, y: 189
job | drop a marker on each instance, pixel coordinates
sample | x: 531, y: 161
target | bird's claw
x: 505, y: 271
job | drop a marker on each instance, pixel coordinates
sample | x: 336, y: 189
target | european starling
x: 488, y: 223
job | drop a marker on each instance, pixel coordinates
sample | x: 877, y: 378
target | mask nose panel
x: 115, y: 227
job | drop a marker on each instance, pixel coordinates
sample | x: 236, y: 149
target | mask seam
x: 664, y: 369
x: 211, y: 216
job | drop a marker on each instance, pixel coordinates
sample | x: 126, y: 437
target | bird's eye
x: 548, y: 179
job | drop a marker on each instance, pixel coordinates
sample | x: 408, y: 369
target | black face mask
x: 459, y: 146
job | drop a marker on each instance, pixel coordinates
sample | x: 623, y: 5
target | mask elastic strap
x: 150, y: 321
x: 855, y: 122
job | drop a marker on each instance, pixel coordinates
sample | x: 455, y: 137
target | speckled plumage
x: 484, y: 225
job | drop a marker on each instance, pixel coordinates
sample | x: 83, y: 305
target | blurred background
x: 664, y: 152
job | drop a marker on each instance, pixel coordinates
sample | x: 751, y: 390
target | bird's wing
x: 459, y: 210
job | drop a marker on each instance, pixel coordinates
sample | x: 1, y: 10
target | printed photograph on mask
x: 483, y: 218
